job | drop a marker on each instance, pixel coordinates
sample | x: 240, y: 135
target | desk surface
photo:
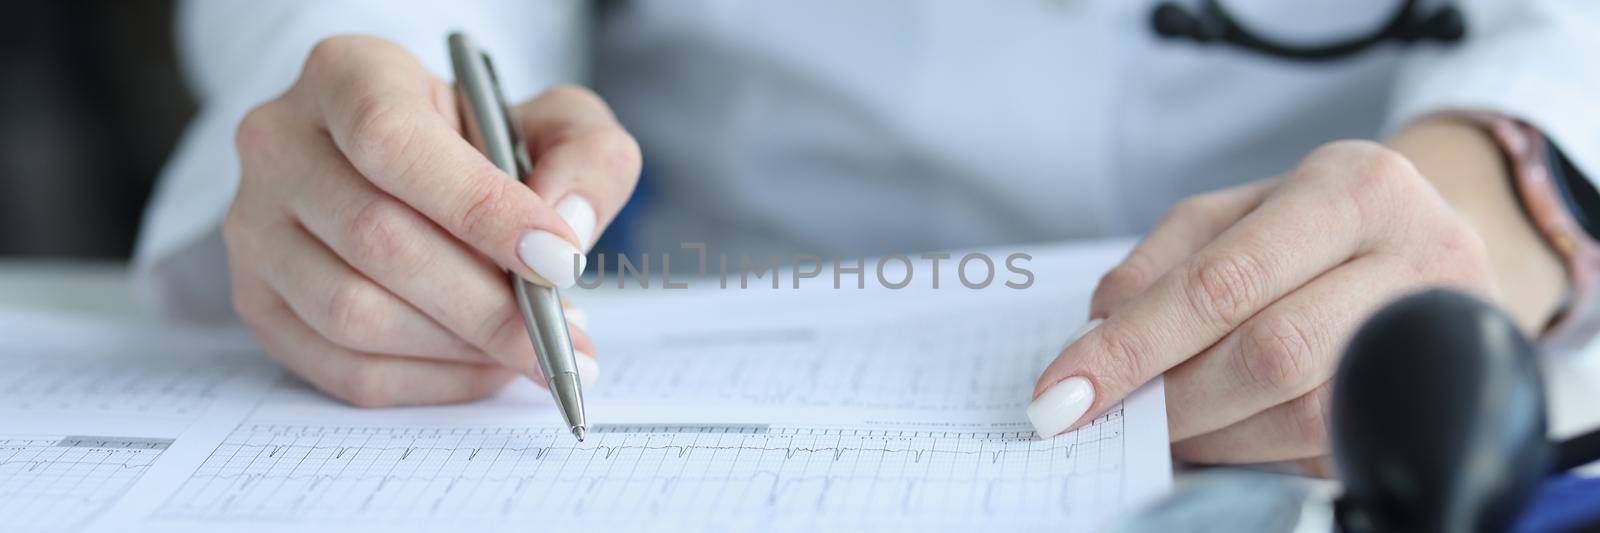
x: 72, y: 286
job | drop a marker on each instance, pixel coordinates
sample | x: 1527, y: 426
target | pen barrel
x: 488, y: 126
x: 557, y: 362
x: 542, y: 305
x: 568, y: 392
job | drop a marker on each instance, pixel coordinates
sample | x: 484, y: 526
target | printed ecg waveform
x: 59, y: 483
x: 729, y: 475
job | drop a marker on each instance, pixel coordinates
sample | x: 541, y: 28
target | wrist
x: 1466, y: 164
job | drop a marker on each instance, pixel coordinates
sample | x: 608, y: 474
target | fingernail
x: 551, y: 257
x: 588, y: 370
x: 579, y: 215
x: 576, y: 317
x: 1060, y: 406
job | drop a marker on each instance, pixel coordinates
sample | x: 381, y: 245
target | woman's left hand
x: 1245, y: 297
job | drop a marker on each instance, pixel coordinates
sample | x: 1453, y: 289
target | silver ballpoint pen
x: 488, y: 126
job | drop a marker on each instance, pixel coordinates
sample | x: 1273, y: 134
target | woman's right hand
x: 368, y: 241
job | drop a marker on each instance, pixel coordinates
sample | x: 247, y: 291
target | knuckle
x: 1275, y: 354
x: 234, y: 235
x: 331, y: 49
x: 1128, y: 355
x: 1122, y: 281
x: 366, y: 385
x: 382, y: 134
x: 1223, y: 288
x: 485, y: 204
x: 502, y: 324
x: 1468, y: 262
x: 1460, y: 240
x: 618, y: 152
x: 1387, y: 171
x: 254, y: 131
x: 1382, y: 178
x: 246, y: 305
x: 241, y: 237
x: 356, y: 316
x: 376, y: 236
x: 1343, y: 151
x: 1387, y: 165
x: 335, y: 52
x: 1198, y: 209
x: 570, y: 94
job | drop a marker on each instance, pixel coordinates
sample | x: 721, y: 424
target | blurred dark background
x: 93, y: 102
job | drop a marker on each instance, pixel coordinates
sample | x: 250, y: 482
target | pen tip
x: 577, y: 431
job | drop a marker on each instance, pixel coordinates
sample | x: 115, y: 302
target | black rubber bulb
x: 1438, y: 419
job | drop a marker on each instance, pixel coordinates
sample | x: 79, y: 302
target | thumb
x: 586, y: 164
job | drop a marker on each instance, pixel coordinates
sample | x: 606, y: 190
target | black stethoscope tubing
x: 1214, y: 24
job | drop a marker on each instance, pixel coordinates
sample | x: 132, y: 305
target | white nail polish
x: 579, y: 215
x: 576, y: 317
x: 551, y: 257
x: 1060, y: 406
x: 588, y: 370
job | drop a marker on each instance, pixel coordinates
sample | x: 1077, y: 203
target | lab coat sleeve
x: 239, y: 53
x: 1535, y: 60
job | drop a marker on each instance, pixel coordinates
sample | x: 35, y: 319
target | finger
x: 398, y: 248
x: 584, y: 161
x: 1296, y: 429
x: 1284, y: 351
x: 583, y: 350
x: 575, y: 316
x: 1294, y: 235
x: 1190, y: 225
x: 346, y: 307
x: 1320, y: 466
x: 363, y: 379
x: 384, y: 121
x: 582, y: 344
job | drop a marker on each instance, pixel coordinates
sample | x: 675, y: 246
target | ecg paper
x: 774, y: 411
x: 755, y: 477
x: 51, y: 482
x: 88, y: 410
x: 53, y: 382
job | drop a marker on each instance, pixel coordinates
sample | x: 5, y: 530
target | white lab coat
x: 847, y: 127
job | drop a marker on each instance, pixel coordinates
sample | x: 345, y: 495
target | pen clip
x: 486, y: 121
x: 519, y: 148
